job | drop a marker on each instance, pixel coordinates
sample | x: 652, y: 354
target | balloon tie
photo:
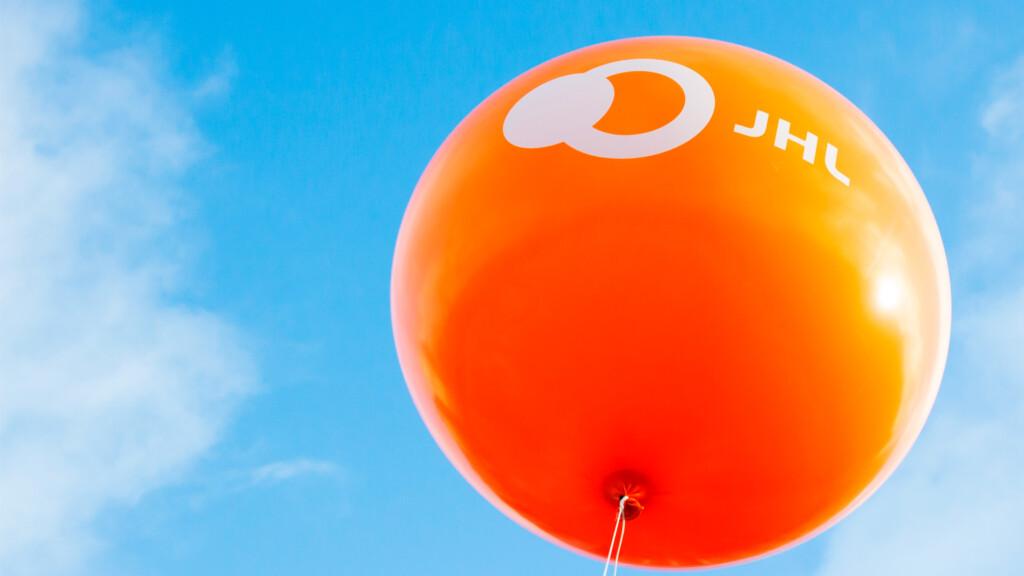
x: 620, y: 520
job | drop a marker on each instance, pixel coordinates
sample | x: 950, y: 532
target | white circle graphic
x: 566, y: 108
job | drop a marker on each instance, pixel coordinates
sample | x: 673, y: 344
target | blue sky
x: 198, y: 204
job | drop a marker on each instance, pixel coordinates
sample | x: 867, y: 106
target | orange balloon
x: 678, y: 270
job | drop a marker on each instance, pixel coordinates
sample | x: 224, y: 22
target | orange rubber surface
x: 722, y: 330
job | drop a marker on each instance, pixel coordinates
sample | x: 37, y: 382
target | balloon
x: 677, y: 270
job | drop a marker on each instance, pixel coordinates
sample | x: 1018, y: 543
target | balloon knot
x: 631, y: 507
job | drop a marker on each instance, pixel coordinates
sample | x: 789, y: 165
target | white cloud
x: 1003, y: 118
x: 218, y: 82
x: 283, y: 470
x: 108, y: 388
x: 957, y: 505
x: 995, y: 251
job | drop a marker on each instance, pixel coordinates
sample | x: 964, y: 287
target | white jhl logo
x: 565, y: 109
x: 783, y: 137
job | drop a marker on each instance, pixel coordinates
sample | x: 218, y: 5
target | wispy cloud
x: 284, y: 470
x: 957, y: 506
x: 996, y: 250
x: 1003, y: 118
x: 108, y: 388
x: 218, y: 82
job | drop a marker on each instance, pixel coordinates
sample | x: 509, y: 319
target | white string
x: 622, y: 536
x: 619, y: 519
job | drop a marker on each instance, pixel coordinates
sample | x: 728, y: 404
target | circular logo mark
x: 566, y: 108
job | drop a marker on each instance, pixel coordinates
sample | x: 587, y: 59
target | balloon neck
x: 631, y: 507
x: 627, y: 490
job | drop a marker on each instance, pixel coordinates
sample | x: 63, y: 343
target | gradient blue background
x: 333, y: 111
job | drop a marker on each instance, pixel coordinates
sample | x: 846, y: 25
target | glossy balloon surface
x: 706, y: 318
